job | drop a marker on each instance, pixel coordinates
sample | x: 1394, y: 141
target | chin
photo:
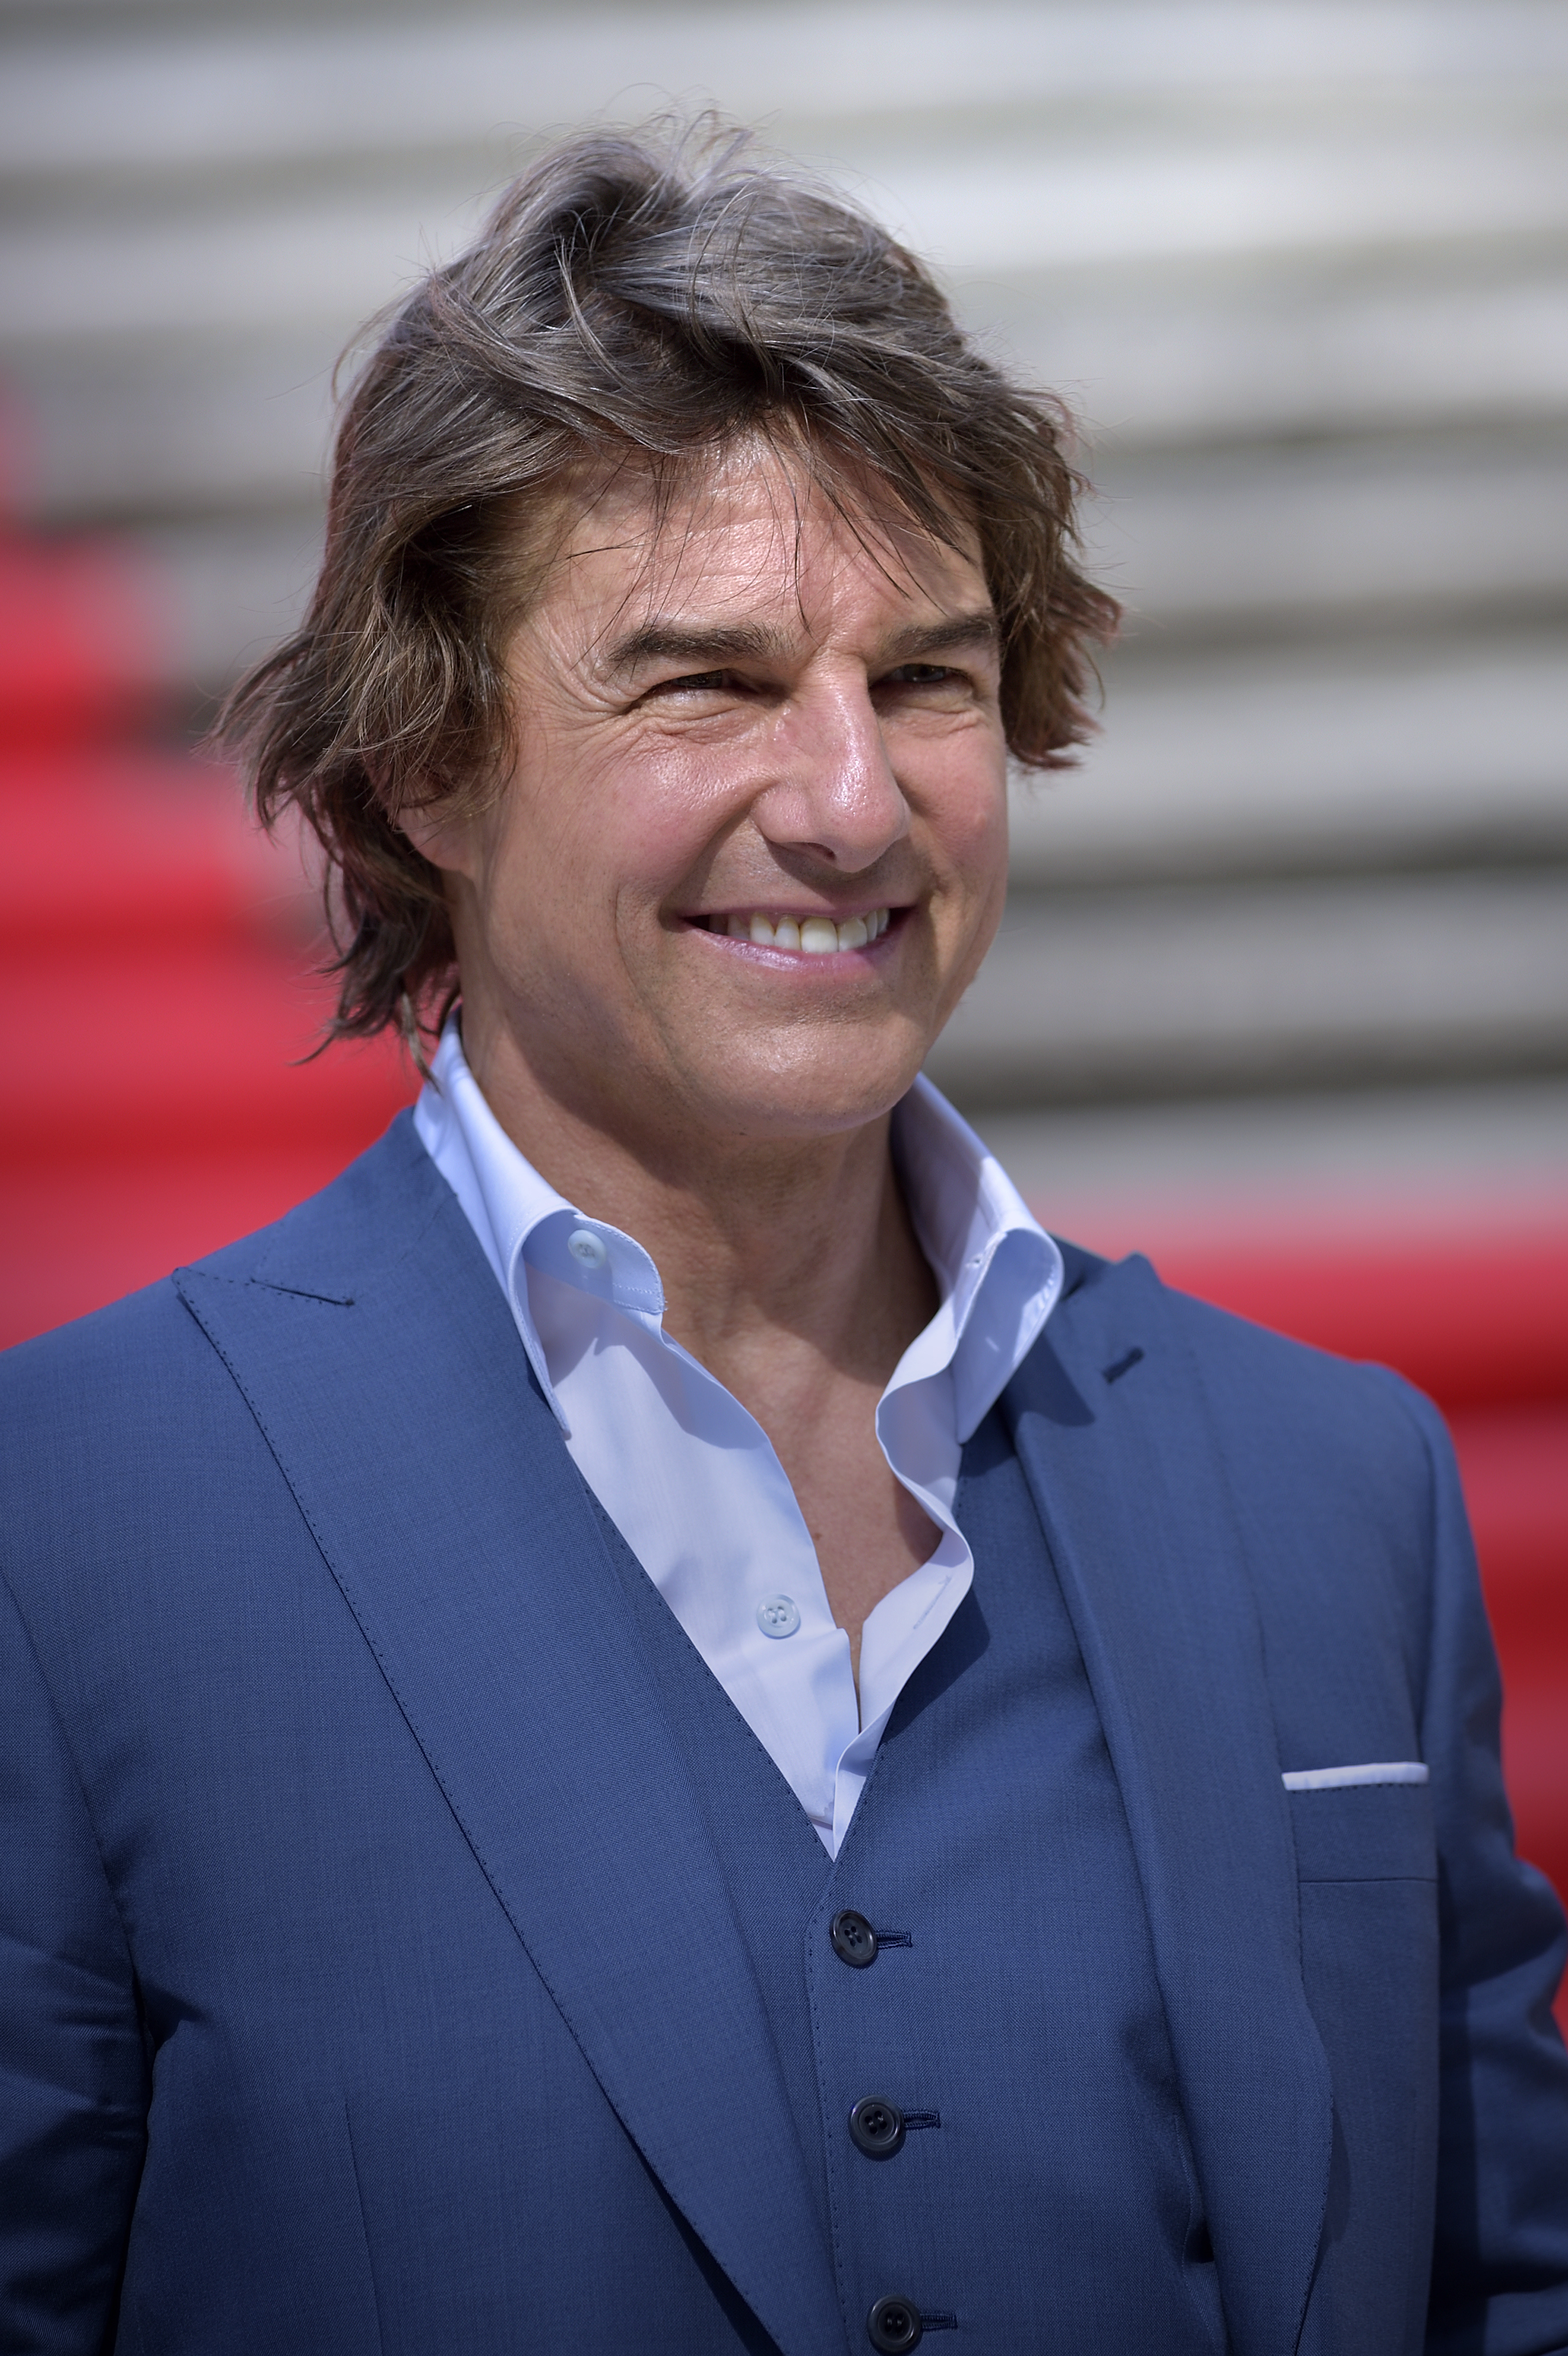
x: 812, y: 1097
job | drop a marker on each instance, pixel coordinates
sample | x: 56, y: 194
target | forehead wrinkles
x: 715, y: 538
x: 754, y: 528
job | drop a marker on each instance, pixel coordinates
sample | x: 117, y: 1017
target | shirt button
x: 587, y: 1248
x: 893, y: 2325
x: 778, y: 1615
x: 876, y: 2127
x: 852, y: 1938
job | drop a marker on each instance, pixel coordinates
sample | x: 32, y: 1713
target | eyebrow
x: 704, y: 649
x: 980, y: 628
x: 709, y: 646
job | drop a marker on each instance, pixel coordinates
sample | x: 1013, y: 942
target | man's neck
x: 774, y: 1253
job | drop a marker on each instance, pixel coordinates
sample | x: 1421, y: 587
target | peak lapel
x: 1131, y: 1492
x: 374, y: 1347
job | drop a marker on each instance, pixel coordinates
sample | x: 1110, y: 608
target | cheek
x: 584, y: 846
x: 968, y: 823
x: 660, y: 809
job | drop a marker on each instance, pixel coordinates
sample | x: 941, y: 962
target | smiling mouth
x: 814, y: 935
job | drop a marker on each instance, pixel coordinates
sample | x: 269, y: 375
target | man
x: 656, y: 1724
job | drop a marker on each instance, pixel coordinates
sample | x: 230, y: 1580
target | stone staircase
x: 1302, y: 268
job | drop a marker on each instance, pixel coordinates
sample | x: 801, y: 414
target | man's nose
x: 836, y: 795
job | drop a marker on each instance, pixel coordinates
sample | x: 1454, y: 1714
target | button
x: 778, y: 1615
x: 585, y: 1245
x: 854, y: 1940
x: 893, y: 2324
x: 876, y: 2127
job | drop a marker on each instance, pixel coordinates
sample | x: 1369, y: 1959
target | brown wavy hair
x: 643, y: 298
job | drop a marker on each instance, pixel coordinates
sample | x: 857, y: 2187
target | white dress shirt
x: 691, y: 1479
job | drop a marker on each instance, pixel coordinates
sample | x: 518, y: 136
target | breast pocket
x: 1370, y: 1831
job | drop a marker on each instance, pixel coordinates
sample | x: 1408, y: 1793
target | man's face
x: 754, y: 844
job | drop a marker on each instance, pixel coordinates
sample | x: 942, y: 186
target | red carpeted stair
x: 156, y: 968
x: 157, y: 958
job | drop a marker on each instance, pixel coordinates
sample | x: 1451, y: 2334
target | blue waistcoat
x: 990, y: 1853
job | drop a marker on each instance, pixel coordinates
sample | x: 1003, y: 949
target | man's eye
x: 693, y: 682
x: 919, y: 675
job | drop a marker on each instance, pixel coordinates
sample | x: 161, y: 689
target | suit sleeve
x: 73, y: 2079
x: 1499, y: 2275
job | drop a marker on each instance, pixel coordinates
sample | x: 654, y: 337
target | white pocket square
x: 1338, y: 1779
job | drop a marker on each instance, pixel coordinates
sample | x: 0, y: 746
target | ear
x: 445, y: 834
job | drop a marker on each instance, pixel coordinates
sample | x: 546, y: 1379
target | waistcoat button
x: 876, y: 2127
x: 854, y: 1942
x: 893, y: 2324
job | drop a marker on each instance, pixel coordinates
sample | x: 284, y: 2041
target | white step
x: 1177, y: 990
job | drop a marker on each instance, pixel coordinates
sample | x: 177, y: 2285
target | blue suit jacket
x: 338, y: 1819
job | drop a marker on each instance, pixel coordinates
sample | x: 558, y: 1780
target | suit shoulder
x: 1296, y: 1419
x: 1261, y: 1384
x: 106, y: 1351
x: 119, y: 1431
x: 148, y: 1325
x: 1236, y: 1351
x: 362, y: 1212
x: 1334, y: 1470
x: 110, y: 1400
x: 127, y: 1436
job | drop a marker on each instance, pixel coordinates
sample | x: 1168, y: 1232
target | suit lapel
x: 1128, y: 1483
x: 374, y: 1349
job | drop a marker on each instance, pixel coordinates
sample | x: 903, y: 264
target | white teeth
x: 816, y: 935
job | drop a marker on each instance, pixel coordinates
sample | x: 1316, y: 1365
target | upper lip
x: 777, y: 909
